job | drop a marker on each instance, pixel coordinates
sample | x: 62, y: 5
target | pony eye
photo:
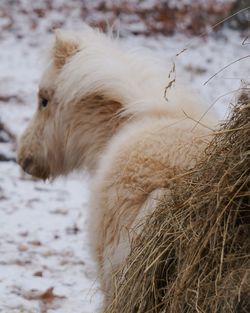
x: 43, y: 102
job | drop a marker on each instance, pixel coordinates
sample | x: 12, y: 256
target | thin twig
x: 225, y: 67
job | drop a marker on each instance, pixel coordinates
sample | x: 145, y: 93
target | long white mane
x: 135, y: 78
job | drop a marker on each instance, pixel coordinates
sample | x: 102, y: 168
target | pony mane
x: 133, y: 77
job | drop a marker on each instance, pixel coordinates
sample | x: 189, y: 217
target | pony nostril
x: 27, y: 163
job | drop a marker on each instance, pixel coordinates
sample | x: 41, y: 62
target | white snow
x: 181, y: 4
x: 43, y: 226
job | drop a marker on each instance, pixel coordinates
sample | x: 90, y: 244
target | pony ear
x: 65, y: 47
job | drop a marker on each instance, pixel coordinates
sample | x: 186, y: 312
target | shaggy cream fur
x: 102, y: 108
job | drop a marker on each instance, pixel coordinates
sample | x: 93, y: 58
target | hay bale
x: 194, y: 252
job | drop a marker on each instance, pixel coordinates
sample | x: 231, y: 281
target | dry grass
x: 194, y: 252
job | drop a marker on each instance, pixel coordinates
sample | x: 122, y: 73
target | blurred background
x: 44, y: 256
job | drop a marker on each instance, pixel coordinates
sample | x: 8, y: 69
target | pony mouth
x: 31, y: 168
x: 38, y: 172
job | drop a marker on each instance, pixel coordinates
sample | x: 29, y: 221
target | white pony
x: 102, y: 108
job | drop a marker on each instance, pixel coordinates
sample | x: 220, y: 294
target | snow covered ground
x: 44, y: 256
